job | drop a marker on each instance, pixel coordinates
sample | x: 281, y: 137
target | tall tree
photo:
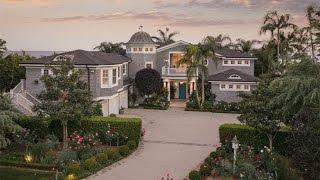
x: 257, y: 112
x: 165, y: 37
x: 109, y: 47
x: 3, y: 46
x: 7, y: 125
x: 10, y: 71
x: 66, y: 97
x: 220, y: 41
x: 299, y: 42
x: 195, y: 59
x: 313, y: 28
x: 245, y: 46
x: 276, y: 24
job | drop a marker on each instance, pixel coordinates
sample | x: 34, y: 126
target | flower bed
x: 96, y: 143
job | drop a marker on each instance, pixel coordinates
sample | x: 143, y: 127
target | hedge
x: 27, y: 165
x: 250, y: 136
x: 129, y: 127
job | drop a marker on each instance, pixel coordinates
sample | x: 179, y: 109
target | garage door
x: 124, y: 99
x: 114, y: 105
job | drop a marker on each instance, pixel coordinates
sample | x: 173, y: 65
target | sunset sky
x: 83, y: 24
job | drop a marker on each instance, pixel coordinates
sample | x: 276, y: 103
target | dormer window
x: 63, y: 57
x: 234, y: 76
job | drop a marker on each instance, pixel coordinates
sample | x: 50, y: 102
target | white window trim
x: 110, y: 77
x: 236, y: 62
x: 125, y: 69
x: 131, y: 50
x: 234, y: 89
x: 49, y: 71
x: 148, y: 62
x: 119, y: 72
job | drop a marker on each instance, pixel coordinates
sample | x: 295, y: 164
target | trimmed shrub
x: 132, y: 145
x: 194, y: 175
x: 67, y: 156
x: 250, y: 136
x: 102, y: 158
x: 73, y: 168
x: 113, y: 115
x: 222, y: 106
x: 128, y: 127
x: 112, y: 153
x: 124, y: 150
x: 205, y: 169
x: 90, y: 164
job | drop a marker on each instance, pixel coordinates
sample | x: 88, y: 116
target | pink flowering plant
x: 79, y: 140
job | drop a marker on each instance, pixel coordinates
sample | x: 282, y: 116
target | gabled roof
x: 226, y: 76
x: 229, y: 53
x: 82, y: 57
x: 171, y: 45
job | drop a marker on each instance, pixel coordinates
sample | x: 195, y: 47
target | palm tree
x: 245, y: 46
x: 220, y: 41
x: 165, y: 37
x: 313, y: 28
x: 299, y: 41
x: 3, y: 47
x: 195, y: 60
x: 276, y: 24
x: 109, y: 47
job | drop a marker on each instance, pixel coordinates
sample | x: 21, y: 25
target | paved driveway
x: 175, y: 142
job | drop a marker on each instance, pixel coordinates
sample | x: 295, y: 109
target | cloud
x: 290, y: 5
x: 28, y: 2
x: 158, y: 17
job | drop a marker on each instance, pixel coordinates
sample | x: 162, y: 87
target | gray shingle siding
x: 33, y: 75
x: 164, y: 55
x: 227, y: 96
x: 138, y: 62
x: 216, y: 67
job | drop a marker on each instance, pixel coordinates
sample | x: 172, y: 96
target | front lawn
x: 14, y: 173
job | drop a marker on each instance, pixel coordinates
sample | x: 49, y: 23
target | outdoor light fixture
x: 235, y: 147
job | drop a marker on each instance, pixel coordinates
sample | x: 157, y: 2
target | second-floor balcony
x: 179, y: 72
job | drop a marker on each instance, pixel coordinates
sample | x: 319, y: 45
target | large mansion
x: 110, y: 76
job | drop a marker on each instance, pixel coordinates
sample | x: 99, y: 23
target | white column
x: 168, y: 84
x: 191, y: 87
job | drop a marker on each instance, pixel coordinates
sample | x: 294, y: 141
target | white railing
x: 20, y: 101
x: 174, y: 71
x: 31, y: 98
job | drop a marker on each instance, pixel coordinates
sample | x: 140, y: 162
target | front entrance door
x: 182, y: 90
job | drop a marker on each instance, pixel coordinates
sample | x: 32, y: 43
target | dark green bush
x: 132, y: 145
x: 157, y: 101
x: 102, y: 158
x: 90, y: 164
x: 113, y: 115
x: 112, y: 154
x: 67, y: 156
x: 73, y: 168
x: 249, y: 136
x: 205, y: 169
x: 124, y: 150
x: 130, y: 128
x: 194, y: 175
x: 285, y: 169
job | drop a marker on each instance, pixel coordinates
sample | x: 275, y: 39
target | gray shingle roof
x: 82, y: 57
x: 141, y: 37
x: 229, y: 53
x: 225, y: 76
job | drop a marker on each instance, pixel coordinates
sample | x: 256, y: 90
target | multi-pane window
x: 246, y: 87
x: 119, y: 72
x: 114, y: 76
x: 230, y: 86
x: 149, y: 65
x: 225, y: 62
x: 223, y: 86
x: 151, y: 49
x: 246, y: 62
x: 232, y: 62
x: 140, y: 49
x: 124, y: 70
x: 236, y: 63
x: 134, y: 49
x: 105, y: 77
x: 238, y: 86
x: 239, y: 62
x: 146, y: 49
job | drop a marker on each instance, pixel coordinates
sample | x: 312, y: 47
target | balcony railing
x: 166, y: 71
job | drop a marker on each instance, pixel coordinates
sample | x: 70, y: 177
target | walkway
x: 176, y: 141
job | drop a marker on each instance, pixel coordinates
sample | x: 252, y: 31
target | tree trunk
x: 202, y: 89
x: 65, y: 134
x: 278, y: 45
x: 270, y: 137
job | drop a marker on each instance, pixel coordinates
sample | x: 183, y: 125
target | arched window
x: 234, y: 76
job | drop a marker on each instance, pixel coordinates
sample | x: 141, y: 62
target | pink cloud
x: 28, y: 2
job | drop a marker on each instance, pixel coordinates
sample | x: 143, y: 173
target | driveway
x: 176, y: 141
